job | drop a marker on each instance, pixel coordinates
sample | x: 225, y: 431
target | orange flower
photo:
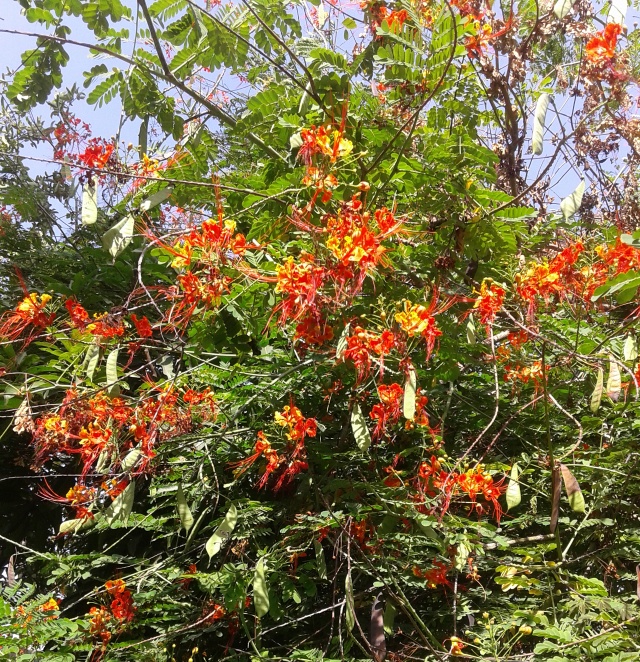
x: 417, y: 319
x: 388, y: 410
x: 79, y: 316
x: 436, y: 576
x: 99, y: 620
x: 489, y: 301
x: 300, y: 281
x: 456, y: 646
x: 313, y: 331
x: 299, y: 426
x: 143, y: 327
x: 30, y: 311
x: 602, y: 47
x: 362, y: 344
x: 396, y: 19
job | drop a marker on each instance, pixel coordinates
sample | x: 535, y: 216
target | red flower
x: 29, y: 312
x: 602, y: 47
x: 96, y: 155
x: 142, y: 326
x: 396, y: 19
x: 489, y: 301
x: 362, y: 344
x: 388, y: 410
x: 436, y: 576
x: 79, y: 316
x: 417, y: 319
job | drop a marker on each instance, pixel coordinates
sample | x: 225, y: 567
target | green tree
x: 340, y: 360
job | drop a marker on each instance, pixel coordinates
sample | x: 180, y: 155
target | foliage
x: 327, y: 366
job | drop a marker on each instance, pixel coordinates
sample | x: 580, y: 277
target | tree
x: 320, y: 369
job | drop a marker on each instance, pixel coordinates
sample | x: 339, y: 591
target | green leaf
x: 513, y: 494
x: 117, y: 238
x: 89, y: 204
x: 537, y: 138
x: 409, y: 401
x: 571, y: 204
x: 629, y: 281
x: 223, y: 532
x: 122, y: 505
x: 260, y: 590
x: 186, y: 518
x: 360, y: 429
x: 596, y: 396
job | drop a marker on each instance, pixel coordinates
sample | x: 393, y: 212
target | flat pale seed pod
x: 360, y: 429
x: 260, y: 590
x: 409, y: 400
x: 562, y: 8
x: 596, y: 396
x: 630, y: 348
x: 556, y: 491
x: 350, y: 613
x: 571, y: 204
x: 513, y: 493
x: 614, y: 382
x: 223, y: 532
x: 574, y: 493
x: 184, y: 512
x: 89, y: 204
x: 376, y: 631
x: 537, y: 137
x: 118, y: 237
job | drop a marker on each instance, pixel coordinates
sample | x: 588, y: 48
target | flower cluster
x: 601, y: 48
x: 318, y: 141
x: 200, y: 256
x: 98, y: 427
x: 489, y: 301
x: 122, y: 604
x: 434, y: 481
x: 29, y: 315
x: 103, y: 621
x: 418, y: 320
x: 525, y: 374
x: 362, y: 346
x: 294, y: 458
x: 44, y: 611
x: 350, y: 239
x: 549, y: 279
x: 436, y: 576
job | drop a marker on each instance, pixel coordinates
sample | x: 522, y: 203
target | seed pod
x: 574, y: 493
x: 555, y: 498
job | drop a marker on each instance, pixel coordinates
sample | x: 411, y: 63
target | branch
x: 215, y: 110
